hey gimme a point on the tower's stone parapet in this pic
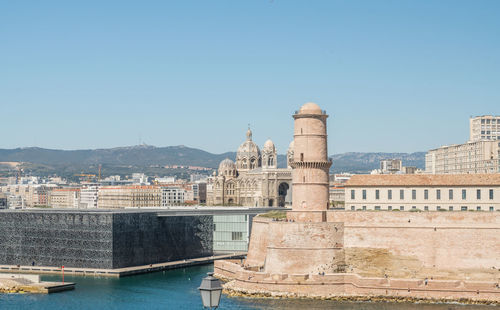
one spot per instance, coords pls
(310, 165)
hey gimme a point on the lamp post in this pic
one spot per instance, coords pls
(210, 290)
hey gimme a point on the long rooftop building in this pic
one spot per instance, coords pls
(451, 192)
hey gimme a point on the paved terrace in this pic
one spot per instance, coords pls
(163, 211)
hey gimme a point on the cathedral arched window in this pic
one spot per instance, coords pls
(252, 163)
(270, 162)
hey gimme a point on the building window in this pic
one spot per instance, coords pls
(389, 208)
(478, 194)
(389, 194)
(463, 208)
(401, 194)
(450, 194)
(438, 194)
(353, 194)
(438, 208)
(426, 208)
(464, 194)
(301, 156)
(492, 209)
(377, 208)
(353, 208)
(377, 194)
(401, 208)
(236, 235)
(426, 194)
(414, 207)
(450, 208)
(413, 194)
(364, 194)
(491, 194)
(364, 208)
(478, 208)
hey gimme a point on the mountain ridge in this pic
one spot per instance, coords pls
(140, 156)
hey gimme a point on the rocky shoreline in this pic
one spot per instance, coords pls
(13, 290)
(231, 291)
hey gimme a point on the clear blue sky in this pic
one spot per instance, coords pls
(395, 76)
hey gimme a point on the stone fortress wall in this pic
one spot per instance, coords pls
(440, 240)
(384, 254)
(319, 252)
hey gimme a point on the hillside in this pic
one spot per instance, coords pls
(365, 162)
(151, 160)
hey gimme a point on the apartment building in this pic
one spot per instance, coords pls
(471, 157)
(89, 196)
(391, 165)
(31, 195)
(172, 196)
(486, 127)
(448, 192)
(65, 198)
(481, 154)
(130, 196)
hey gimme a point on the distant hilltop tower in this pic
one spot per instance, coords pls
(310, 165)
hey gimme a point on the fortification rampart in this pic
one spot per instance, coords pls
(347, 284)
(451, 241)
(441, 255)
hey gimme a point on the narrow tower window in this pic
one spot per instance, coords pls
(301, 156)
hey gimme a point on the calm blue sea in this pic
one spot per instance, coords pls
(175, 289)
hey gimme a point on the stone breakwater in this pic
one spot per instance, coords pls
(344, 286)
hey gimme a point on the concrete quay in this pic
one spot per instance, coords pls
(119, 272)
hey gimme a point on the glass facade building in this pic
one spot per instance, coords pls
(232, 232)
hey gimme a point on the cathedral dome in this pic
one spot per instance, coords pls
(248, 155)
(269, 146)
(310, 108)
(227, 167)
(248, 148)
(291, 146)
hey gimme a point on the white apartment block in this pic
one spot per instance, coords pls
(471, 157)
(172, 196)
(89, 195)
(391, 165)
(466, 192)
(15, 202)
(486, 127)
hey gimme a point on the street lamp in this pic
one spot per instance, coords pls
(210, 290)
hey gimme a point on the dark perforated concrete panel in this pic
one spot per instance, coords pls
(101, 239)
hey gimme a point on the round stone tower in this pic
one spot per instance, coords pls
(310, 174)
